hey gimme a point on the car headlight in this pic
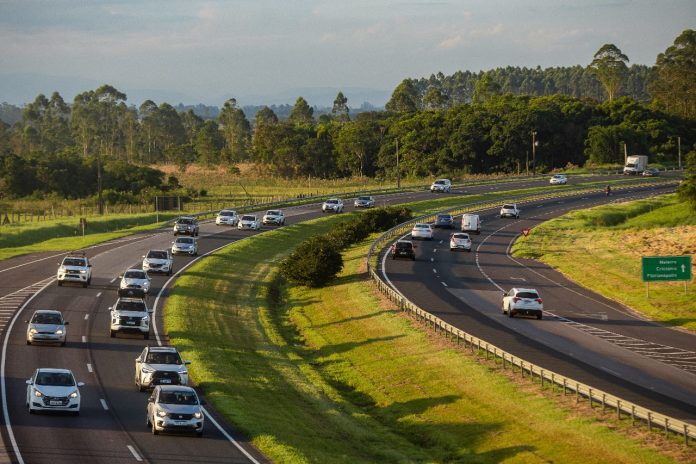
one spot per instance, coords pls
(38, 394)
(161, 413)
(147, 370)
(59, 332)
(82, 271)
(198, 415)
(74, 394)
(183, 371)
(145, 319)
(33, 331)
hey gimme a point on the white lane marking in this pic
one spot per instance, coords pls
(89, 368)
(432, 260)
(518, 278)
(443, 284)
(99, 294)
(103, 403)
(86, 316)
(135, 453)
(227, 435)
(434, 271)
(84, 339)
(113, 280)
(610, 371)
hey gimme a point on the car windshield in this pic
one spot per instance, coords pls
(440, 182)
(178, 397)
(248, 218)
(134, 275)
(273, 212)
(163, 358)
(157, 255)
(444, 217)
(332, 202)
(227, 213)
(365, 198)
(56, 379)
(131, 305)
(184, 240)
(527, 295)
(74, 262)
(47, 318)
(185, 221)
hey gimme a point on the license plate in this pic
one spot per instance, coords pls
(55, 403)
(130, 322)
(180, 422)
(165, 381)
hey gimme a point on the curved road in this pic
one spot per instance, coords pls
(111, 426)
(583, 335)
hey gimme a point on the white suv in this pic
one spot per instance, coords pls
(332, 204)
(160, 365)
(274, 216)
(441, 185)
(523, 301)
(75, 268)
(158, 261)
(227, 217)
(510, 210)
(130, 315)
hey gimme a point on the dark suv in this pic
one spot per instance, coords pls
(403, 249)
(186, 225)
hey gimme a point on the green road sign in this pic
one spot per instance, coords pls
(664, 268)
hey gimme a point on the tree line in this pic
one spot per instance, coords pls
(461, 124)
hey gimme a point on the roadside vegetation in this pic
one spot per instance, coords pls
(336, 374)
(610, 240)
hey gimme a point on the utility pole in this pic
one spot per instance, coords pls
(398, 174)
(679, 150)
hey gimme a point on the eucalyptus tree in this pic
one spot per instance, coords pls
(236, 131)
(357, 145)
(609, 66)
(46, 126)
(674, 83)
(405, 98)
(209, 143)
(340, 109)
(301, 113)
(97, 120)
(435, 99)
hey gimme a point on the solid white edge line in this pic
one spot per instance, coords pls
(6, 414)
(229, 437)
(134, 453)
(99, 294)
(103, 403)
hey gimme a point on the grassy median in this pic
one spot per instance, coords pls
(336, 375)
(610, 240)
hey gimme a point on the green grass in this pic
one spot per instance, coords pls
(613, 238)
(335, 375)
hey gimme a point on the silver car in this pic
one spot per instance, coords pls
(365, 201)
(174, 408)
(185, 245)
(47, 326)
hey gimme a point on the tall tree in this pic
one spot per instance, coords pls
(301, 113)
(674, 84)
(236, 132)
(340, 108)
(405, 98)
(609, 66)
(435, 99)
(486, 88)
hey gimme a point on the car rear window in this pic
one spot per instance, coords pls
(508, 206)
(527, 295)
(460, 236)
(404, 245)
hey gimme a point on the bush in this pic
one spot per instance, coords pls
(314, 263)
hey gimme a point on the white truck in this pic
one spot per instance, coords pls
(635, 165)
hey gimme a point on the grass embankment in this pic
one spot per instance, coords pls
(610, 241)
(66, 234)
(335, 375)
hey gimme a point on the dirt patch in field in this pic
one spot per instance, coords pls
(672, 241)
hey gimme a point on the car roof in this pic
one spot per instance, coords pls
(176, 388)
(421, 224)
(162, 349)
(128, 299)
(47, 311)
(518, 290)
(404, 241)
(55, 369)
(134, 269)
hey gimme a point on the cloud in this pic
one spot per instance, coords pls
(451, 42)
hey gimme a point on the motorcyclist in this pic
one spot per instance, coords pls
(608, 190)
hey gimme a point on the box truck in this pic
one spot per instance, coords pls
(635, 164)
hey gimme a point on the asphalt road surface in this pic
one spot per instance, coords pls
(111, 426)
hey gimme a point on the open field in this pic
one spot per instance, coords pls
(337, 375)
(613, 238)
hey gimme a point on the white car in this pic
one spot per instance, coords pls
(46, 326)
(441, 185)
(422, 231)
(160, 365)
(75, 268)
(185, 245)
(274, 216)
(364, 201)
(510, 210)
(558, 179)
(176, 408)
(158, 261)
(53, 390)
(136, 279)
(249, 222)
(227, 217)
(523, 301)
(130, 315)
(460, 241)
(334, 205)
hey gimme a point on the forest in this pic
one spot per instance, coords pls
(467, 123)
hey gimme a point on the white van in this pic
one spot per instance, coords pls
(471, 223)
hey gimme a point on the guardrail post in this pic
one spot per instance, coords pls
(633, 414)
(686, 435)
(666, 426)
(618, 409)
(590, 396)
(541, 374)
(604, 396)
(577, 393)
(649, 421)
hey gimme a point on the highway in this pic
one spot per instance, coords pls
(111, 427)
(583, 335)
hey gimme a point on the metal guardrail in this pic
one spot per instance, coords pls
(477, 345)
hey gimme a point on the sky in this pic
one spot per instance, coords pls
(273, 51)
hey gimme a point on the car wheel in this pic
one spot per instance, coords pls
(147, 421)
(84, 285)
(511, 314)
(170, 272)
(199, 434)
(469, 250)
(62, 343)
(76, 413)
(28, 342)
(538, 316)
(112, 333)
(154, 429)
(31, 411)
(147, 336)
(60, 283)
(413, 258)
